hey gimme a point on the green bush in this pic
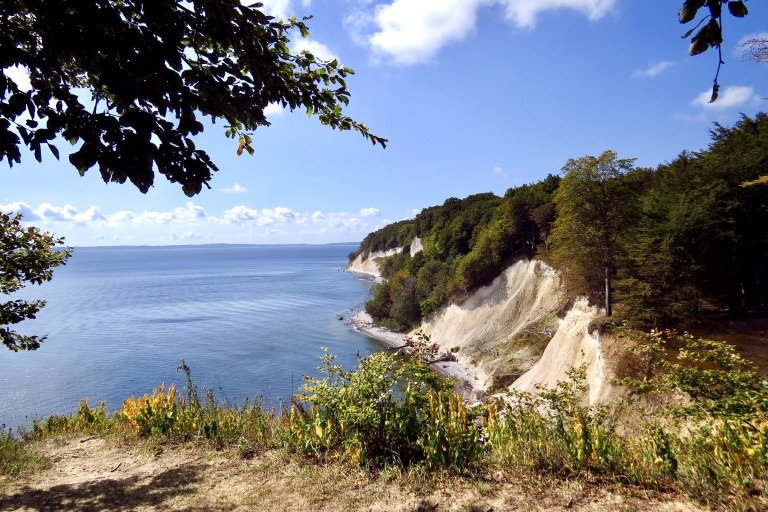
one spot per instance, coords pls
(719, 437)
(384, 411)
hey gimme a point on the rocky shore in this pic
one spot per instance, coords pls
(467, 384)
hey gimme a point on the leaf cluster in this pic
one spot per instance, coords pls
(127, 83)
(711, 34)
(27, 255)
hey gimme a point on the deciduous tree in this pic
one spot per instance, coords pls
(27, 255)
(594, 204)
(128, 82)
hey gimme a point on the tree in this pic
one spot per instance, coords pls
(27, 255)
(152, 69)
(711, 34)
(594, 205)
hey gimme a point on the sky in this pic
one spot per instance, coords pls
(473, 95)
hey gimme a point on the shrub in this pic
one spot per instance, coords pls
(384, 411)
(719, 439)
(86, 420)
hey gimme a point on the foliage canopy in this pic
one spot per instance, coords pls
(128, 81)
(661, 244)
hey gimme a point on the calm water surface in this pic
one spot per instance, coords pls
(248, 320)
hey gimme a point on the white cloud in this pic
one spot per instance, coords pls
(337, 220)
(182, 215)
(653, 69)
(319, 50)
(369, 212)
(498, 170)
(523, 13)
(234, 189)
(184, 223)
(731, 97)
(274, 109)
(412, 31)
(19, 76)
(277, 8)
(47, 212)
(266, 217)
(186, 235)
(22, 208)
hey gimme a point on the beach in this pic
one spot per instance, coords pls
(467, 384)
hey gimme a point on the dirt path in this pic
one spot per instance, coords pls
(94, 474)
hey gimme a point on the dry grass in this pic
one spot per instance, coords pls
(98, 473)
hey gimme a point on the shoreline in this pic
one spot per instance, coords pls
(466, 380)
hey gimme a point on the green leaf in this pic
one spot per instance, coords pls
(54, 150)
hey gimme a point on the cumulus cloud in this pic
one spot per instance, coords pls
(186, 235)
(274, 109)
(234, 189)
(47, 212)
(319, 50)
(182, 215)
(369, 212)
(413, 31)
(498, 170)
(337, 220)
(19, 76)
(653, 69)
(410, 31)
(523, 13)
(190, 221)
(277, 8)
(265, 217)
(730, 97)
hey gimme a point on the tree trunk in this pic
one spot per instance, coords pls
(608, 297)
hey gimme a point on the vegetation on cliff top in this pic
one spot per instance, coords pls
(661, 245)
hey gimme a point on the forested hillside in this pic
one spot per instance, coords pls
(657, 247)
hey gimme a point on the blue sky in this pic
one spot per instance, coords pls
(474, 96)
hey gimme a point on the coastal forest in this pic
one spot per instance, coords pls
(656, 247)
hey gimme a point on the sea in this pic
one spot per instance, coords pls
(250, 321)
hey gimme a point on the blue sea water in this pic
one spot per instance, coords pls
(248, 320)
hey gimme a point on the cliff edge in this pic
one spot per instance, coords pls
(516, 333)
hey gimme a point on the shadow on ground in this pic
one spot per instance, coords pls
(110, 493)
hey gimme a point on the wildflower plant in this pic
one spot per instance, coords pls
(384, 411)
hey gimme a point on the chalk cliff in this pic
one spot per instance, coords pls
(516, 332)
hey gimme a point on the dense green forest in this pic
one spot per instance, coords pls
(657, 247)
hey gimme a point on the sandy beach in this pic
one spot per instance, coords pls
(466, 381)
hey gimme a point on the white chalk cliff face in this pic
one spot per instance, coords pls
(369, 266)
(483, 331)
(510, 335)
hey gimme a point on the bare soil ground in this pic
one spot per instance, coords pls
(95, 474)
